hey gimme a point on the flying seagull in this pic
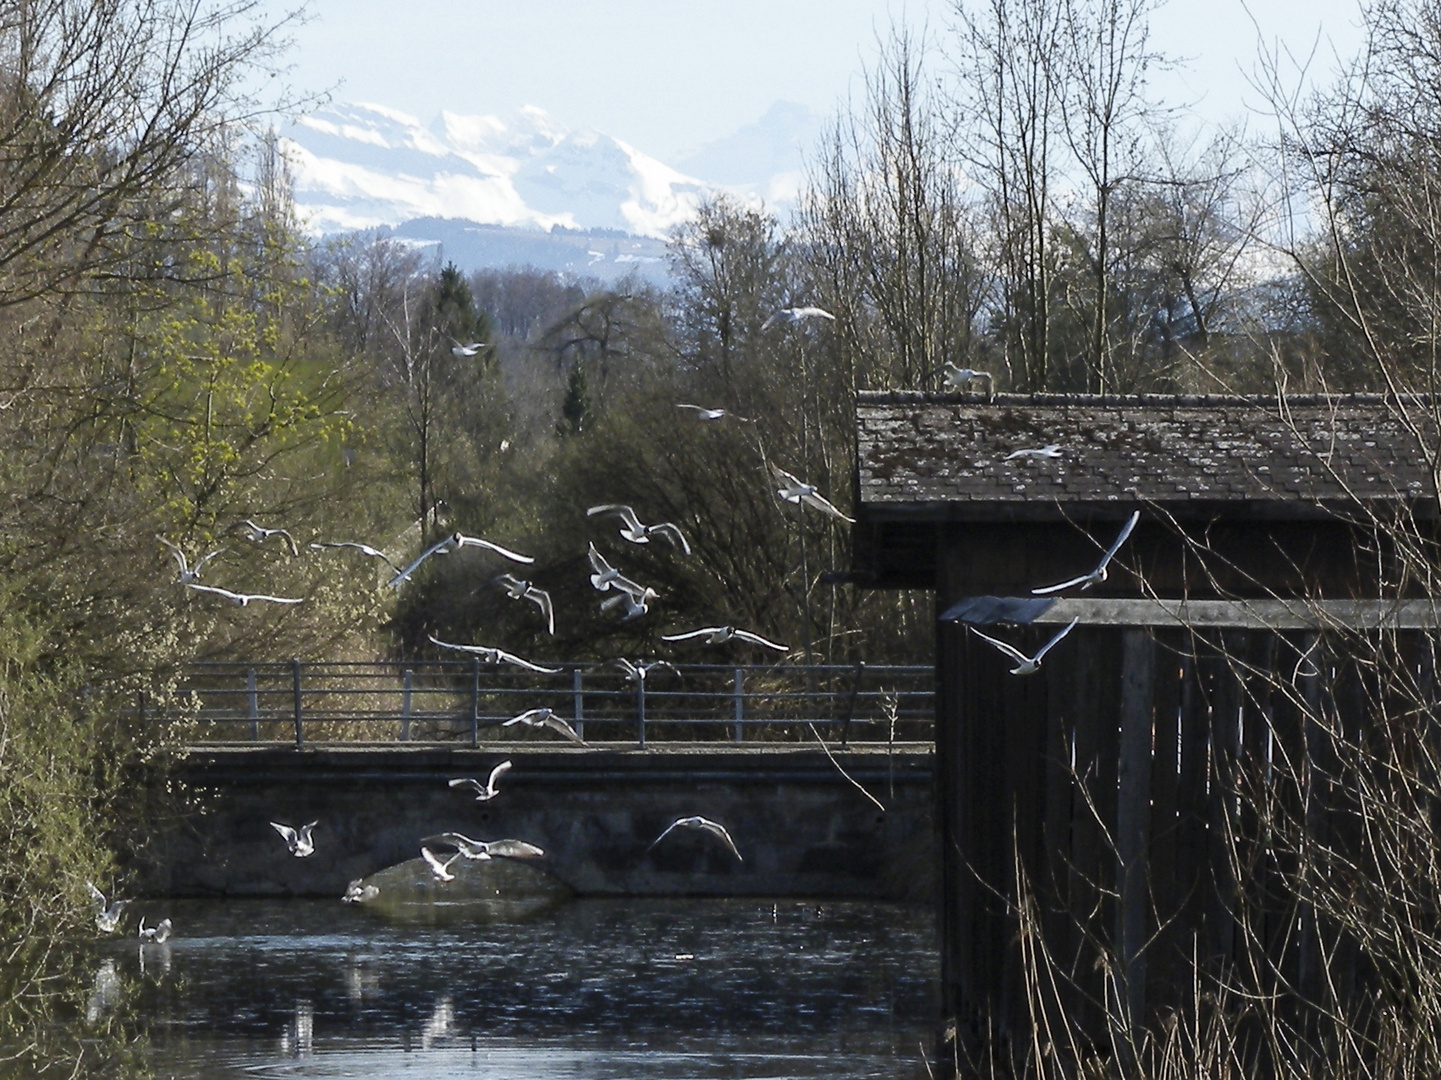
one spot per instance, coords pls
(259, 533)
(636, 533)
(546, 718)
(517, 589)
(441, 870)
(635, 598)
(469, 349)
(795, 490)
(636, 670)
(481, 849)
(107, 915)
(301, 843)
(715, 828)
(605, 575)
(703, 413)
(959, 378)
(1026, 665)
(243, 599)
(188, 573)
(158, 934)
(719, 635)
(487, 791)
(793, 315)
(364, 549)
(1051, 450)
(1098, 575)
(495, 656)
(454, 542)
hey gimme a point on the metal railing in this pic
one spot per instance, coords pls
(458, 701)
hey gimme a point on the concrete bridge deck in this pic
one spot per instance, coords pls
(803, 828)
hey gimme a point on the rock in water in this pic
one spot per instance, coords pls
(484, 890)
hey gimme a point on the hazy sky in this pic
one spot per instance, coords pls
(669, 76)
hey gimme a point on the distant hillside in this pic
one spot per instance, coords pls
(599, 253)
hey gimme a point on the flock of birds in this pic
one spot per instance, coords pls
(630, 597)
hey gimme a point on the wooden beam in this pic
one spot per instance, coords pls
(1248, 614)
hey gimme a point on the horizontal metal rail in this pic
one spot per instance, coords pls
(450, 702)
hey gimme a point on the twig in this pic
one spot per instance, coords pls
(842, 771)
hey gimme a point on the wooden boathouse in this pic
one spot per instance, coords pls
(1092, 813)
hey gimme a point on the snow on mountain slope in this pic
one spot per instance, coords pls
(360, 166)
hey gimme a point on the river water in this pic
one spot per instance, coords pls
(590, 990)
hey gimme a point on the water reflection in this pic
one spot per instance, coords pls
(594, 989)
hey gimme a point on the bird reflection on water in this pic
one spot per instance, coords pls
(593, 988)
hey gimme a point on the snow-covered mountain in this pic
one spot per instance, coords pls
(361, 166)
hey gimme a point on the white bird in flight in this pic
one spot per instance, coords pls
(1098, 575)
(792, 315)
(1051, 450)
(605, 575)
(635, 598)
(695, 821)
(795, 490)
(1026, 665)
(259, 533)
(637, 670)
(959, 378)
(300, 842)
(703, 413)
(517, 589)
(441, 870)
(635, 532)
(454, 542)
(487, 791)
(485, 850)
(469, 349)
(719, 635)
(364, 549)
(107, 914)
(243, 599)
(546, 718)
(188, 573)
(495, 656)
(158, 934)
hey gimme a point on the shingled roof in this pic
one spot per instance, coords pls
(944, 456)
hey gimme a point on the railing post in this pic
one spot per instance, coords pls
(299, 715)
(252, 705)
(406, 685)
(578, 720)
(851, 705)
(640, 711)
(475, 701)
(740, 696)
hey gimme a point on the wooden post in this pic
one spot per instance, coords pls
(640, 712)
(739, 701)
(1133, 820)
(851, 704)
(299, 714)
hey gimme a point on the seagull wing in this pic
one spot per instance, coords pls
(289, 540)
(631, 671)
(483, 651)
(511, 584)
(97, 898)
(448, 839)
(438, 868)
(672, 532)
(818, 501)
(1047, 646)
(245, 599)
(715, 828)
(503, 552)
(237, 597)
(756, 639)
(1005, 647)
(666, 832)
(1115, 547)
(495, 774)
(205, 559)
(510, 658)
(555, 723)
(404, 575)
(706, 631)
(542, 600)
(286, 833)
(514, 849)
(179, 556)
(528, 718)
(470, 781)
(625, 513)
(1046, 590)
